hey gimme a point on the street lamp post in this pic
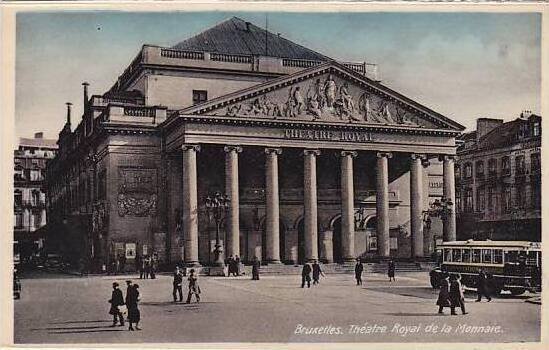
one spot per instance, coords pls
(438, 209)
(216, 208)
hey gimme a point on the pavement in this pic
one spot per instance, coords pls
(59, 309)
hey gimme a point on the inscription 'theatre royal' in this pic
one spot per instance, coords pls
(327, 135)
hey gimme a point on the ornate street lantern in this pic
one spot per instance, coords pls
(216, 208)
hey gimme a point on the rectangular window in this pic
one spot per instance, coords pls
(447, 254)
(520, 195)
(487, 256)
(468, 170)
(199, 96)
(520, 165)
(481, 197)
(456, 255)
(506, 199)
(466, 255)
(505, 166)
(476, 256)
(468, 200)
(535, 163)
(393, 243)
(498, 256)
(18, 220)
(479, 168)
(492, 166)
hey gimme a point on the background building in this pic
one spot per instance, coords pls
(29, 193)
(498, 180)
(272, 124)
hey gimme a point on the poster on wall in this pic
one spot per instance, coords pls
(130, 250)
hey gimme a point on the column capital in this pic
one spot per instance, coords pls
(193, 147)
(314, 152)
(420, 156)
(447, 157)
(353, 154)
(384, 155)
(270, 150)
(231, 148)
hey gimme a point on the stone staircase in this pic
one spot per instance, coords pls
(283, 269)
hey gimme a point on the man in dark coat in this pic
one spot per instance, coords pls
(391, 270)
(482, 287)
(255, 269)
(117, 299)
(358, 272)
(177, 285)
(317, 271)
(306, 275)
(457, 299)
(128, 288)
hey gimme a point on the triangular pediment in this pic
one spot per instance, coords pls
(329, 92)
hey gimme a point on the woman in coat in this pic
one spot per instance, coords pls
(134, 316)
(457, 298)
(255, 268)
(117, 299)
(444, 294)
(391, 270)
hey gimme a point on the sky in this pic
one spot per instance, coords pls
(462, 65)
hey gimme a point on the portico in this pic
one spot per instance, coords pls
(387, 154)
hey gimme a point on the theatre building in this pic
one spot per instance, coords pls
(318, 158)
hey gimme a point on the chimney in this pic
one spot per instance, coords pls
(248, 26)
(69, 105)
(485, 125)
(85, 84)
(38, 135)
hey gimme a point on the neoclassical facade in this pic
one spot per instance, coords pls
(318, 158)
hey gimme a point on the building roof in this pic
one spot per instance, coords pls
(37, 142)
(505, 134)
(238, 37)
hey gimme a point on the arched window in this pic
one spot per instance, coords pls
(468, 169)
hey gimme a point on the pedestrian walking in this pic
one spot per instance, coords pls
(457, 299)
(482, 287)
(138, 265)
(134, 315)
(237, 265)
(154, 265)
(128, 288)
(117, 299)
(358, 272)
(306, 275)
(444, 294)
(317, 271)
(142, 269)
(391, 270)
(122, 262)
(194, 288)
(177, 284)
(147, 266)
(255, 268)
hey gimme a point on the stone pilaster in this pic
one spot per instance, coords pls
(272, 224)
(347, 206)
(310, 204)
(231, 190)
(382, 204)
(449, 193)
(416, 205)
(190, 204)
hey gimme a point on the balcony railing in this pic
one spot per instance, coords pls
(188, 55)
(231, 58)
(139, 111)
(289, 62)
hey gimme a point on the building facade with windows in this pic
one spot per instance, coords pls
(30, 160)
(318, 158)
(498, 180)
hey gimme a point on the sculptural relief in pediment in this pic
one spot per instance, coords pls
(326, 97)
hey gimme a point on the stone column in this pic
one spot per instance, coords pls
(347, 206)
(272, 224)
(382, 204)
(231, 190)
(449, 193)
(327, 247)
(427, 235)
(190, 204)
(416, 205)
(310, 204)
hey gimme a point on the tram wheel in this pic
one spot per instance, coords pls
(517, 291)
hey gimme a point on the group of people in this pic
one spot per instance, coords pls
(359, 268)
(451, 292)
(233, 266)
(131, 302)
(194, 288)
(306, 274)
(147, 266)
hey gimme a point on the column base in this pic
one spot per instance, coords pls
(192, 264)
(274, 262)
(348, 260)
(216, 271)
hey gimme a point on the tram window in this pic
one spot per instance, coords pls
(511, 257)
(456, 255)
(476, 256)
(466, 255)
(532, 258)
(447, 254)
(487, 256)
(498, 256)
